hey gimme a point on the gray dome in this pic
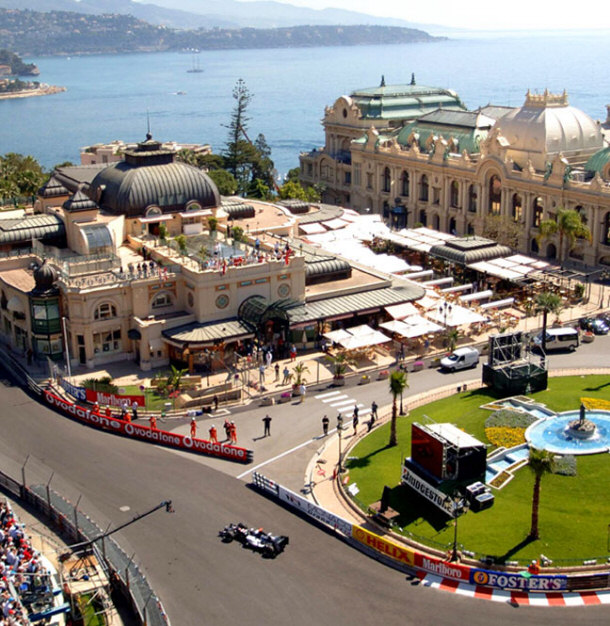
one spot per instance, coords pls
(149, 177)
(44, 277)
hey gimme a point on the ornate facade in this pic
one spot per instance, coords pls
(456, 170)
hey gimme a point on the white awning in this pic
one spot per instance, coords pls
(477, 295)
(337, 335)
(200, 213)
(152, 219)
(312, 229)
(400, 311)
(362, 341)
(498, 304)
(335, 224)
(455, 315)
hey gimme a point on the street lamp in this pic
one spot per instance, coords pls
(339, 431)
(456, 505)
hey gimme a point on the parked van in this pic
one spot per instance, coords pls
(558, 339)
(460, 359)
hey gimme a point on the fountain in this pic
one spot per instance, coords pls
(582, 428)
(573, 432)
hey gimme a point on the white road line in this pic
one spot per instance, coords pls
(279, 456)
(327, 395)
(349, 408)
(343, 402)
(341, 397)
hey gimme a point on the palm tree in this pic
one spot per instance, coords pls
(569, 226)
(340, 362)
(541, 462)
(174, 380)
(398, 382)
(299, 372)
(545, 303)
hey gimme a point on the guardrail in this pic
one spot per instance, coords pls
(68, 518)
(407, 558)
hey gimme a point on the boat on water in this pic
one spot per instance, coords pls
(181, 93)
(195, 68)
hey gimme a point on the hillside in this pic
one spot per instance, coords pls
(190, 14)
(60, 32)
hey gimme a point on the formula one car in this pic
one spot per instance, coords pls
(254, 539)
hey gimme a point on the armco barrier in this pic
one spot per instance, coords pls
(146, 433)
(407, 558)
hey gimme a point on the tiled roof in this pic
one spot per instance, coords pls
(25, 229)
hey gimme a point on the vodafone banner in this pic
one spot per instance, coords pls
(145, 433)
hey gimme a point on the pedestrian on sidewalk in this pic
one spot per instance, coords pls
(369, 425)
(215, 401)
(277, 372)
(153, 422)
(261, 373)
(213, 434)
(355, 423)
(269, 357)
(302, 391)
(356, 411)
(227, 427)
(374, 408)
(233, 433)
(193, 428)
(293, 352)
(325, 422)
(134, 410)
(339, 422)
(267, 423)
(286, 375)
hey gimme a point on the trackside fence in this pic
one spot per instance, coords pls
(78, 527)
(406, 558)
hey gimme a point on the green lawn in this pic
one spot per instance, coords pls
(574, 512)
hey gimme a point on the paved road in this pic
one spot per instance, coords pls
(203, 581)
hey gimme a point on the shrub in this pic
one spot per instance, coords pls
(510, 418)
(104, 384)
(565, 465)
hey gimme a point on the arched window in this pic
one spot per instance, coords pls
(404, 184)
(551, 251)
(606, 229)
(105, 311)
(537, 212)
(436, 222)
(495, 195)
(387, 180)
(470, 229)
(161, 300)
(517, 208)
(423, 219)
(452, 226)
(423, 189)
(455, 194)
(534, 247)
(472, 199)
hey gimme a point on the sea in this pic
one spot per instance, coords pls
(116, 96)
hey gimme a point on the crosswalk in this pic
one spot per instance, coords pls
(342, 403)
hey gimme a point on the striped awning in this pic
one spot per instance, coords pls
(196, 333)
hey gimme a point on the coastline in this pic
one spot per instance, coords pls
(43, 90)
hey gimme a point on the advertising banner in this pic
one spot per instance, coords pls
(438, 498)
(518, 582)
(313, 510)
(145, 433)
(80, 393)
(393, 550)
(442, 568)
(113, 399)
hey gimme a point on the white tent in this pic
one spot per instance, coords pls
(454, 315)
(400, 311)
(362, 341)
(337, 335)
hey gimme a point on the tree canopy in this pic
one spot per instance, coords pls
(20, 175)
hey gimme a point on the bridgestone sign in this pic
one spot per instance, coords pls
(420, 486)
(146, 433)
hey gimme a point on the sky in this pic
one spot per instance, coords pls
(480, 14)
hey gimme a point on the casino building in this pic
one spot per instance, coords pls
(417, 156)
(123, 261)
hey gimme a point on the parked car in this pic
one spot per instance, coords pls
(595, 325)
(604, 317)
(460, 359)
(564, 338)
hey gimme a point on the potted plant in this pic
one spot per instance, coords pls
(588, 336)
(418, 366)
(383, 374)
(284, 397)
(340, 362)
(298, 377)
(365, 379)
